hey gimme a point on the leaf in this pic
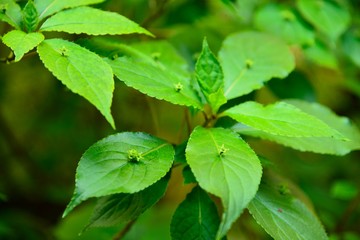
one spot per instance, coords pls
(124, 207)
(210, 77)
(225, 166)
(149, 75)
(121, 163)
(285, 23)
(91, 21)
(188, 175)
(250, 58)
(30, 17)
(327, 16)
(281, 119)
(82, 71)
(322, 55)
(21, 42)
(195, 218)
(10, 12)
(322, 145)
(351, 46)
(284, 216)
(48, 7)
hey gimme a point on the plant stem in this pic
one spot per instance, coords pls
(125, 230)
(156, 14)
(347, 213)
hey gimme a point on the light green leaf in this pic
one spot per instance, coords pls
(10, 12)
(284, 216)
(21, 42)
(225, 166)
(121, 163)
(82, 71)
(327, 16)
(284, 23)
(124, 207)
(195, 218)
(91, 21)
(322, 55)
(30, 17)
(248, 59)
(210, 77)
(153, 77)
(324, 145)
(281, 119)
(48, 7)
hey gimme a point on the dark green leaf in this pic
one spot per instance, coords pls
(351, 46)
(30, 17)
(225, 166)
(195, 218)
(188, 175)
(121, 163)
(10, 12)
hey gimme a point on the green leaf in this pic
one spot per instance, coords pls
(351, 46)
(91, 21)
(210, 77)
(225, 166)
(195, 218)
(82, 71)
(121, 163)
(281, 119)
(188, 175)
(327, 16)
(324, 145)
(10, 12)
(248, 59)
(284, 216)
(322, 55)
(124, 207)
(48, 7)
(30, 17)
(21, 42)
(285, 23)
(344, 190)
(151, 76)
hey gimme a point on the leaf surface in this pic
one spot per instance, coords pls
(249, 59)
(195, 218)
(10, 12)
(91, 21)
(21, 42)
(82, 71)
(46, 8)
(125, 207)
(121, 163)
(281, 119)
(225, 166)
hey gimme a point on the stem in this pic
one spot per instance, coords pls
(153, 114)
(125, 230)
(156, 14)
(347, 214)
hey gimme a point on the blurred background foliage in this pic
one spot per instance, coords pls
(45, 128)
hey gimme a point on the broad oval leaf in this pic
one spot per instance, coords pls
(121, 163)
(285, 23)
(249, 59)
(327, 16)
(48, 7)
(324, 145)
(151, 76)
(195, 218)
(82, 71)
(10, 12)
(225, 166)
(91, 21)
(21, 42)
(281, 119)
(283, 216)
(125, 207)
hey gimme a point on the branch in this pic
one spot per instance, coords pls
(125, 230)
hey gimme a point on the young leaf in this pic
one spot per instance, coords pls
(48, 7)
(284, 216)
(195, 218)
(285, 23)
(82, 71)
(21, 42)
(281, 119)
(327, 16)
(250, 58)
(225, 166)
(121, 163)
(125, 207)
(151, 77)
(210, 77)
(91, 21)
(10, 12)
(324, 145)
(30, 17)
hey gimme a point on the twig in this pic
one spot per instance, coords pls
(347, 213)
(125, 230)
